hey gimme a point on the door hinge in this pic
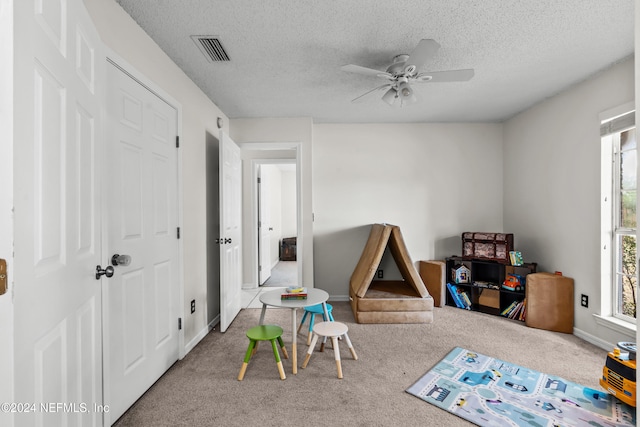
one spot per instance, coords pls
(259, 181)
(178, 233)
(179, 323)
(177, 141)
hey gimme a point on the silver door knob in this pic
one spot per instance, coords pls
(106, 271)
(123, 260)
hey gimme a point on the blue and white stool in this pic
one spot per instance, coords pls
(313, 310)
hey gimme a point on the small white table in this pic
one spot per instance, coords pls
(272, 298)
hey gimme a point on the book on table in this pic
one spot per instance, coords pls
(294, 293)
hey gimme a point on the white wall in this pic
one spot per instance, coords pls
(121, 33)
(552, 185)
(433, 180)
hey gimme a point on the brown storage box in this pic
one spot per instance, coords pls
(489, 246)
(489, 298)
(549, 302)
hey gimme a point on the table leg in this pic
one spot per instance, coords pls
(294, 341)
(262, 313)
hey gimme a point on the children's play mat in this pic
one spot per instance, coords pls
(492, 392)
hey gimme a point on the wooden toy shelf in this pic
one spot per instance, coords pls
(484, 288)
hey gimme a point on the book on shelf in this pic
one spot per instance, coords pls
(460, 298)
(516, 258)
(509, 308)
(466, 300)
(523, 312)
(516, 310)
(453, 291)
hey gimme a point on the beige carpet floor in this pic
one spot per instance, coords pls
(203, 390)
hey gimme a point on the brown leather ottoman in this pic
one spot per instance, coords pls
(549, 302)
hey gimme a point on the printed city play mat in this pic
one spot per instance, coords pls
(492, 392)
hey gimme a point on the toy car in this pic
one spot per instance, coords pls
(619, 373)
(514, 282)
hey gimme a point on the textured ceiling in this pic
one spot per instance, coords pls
(285, 55)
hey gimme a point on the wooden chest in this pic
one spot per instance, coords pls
(489, 246)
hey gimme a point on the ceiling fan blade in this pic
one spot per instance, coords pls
(424, 51)
(365, 71)
(445, 76)
(362, 97)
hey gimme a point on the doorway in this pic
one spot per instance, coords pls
(277, 228)
(272, 153)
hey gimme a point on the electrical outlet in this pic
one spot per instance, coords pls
(193, 306)
(584, 300)
(380, 274)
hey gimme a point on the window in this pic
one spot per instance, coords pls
(619, 210)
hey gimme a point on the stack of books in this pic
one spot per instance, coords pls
(516, 310)
(459, 297)
(294, 293)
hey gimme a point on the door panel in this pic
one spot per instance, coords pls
(141, 299)
(230, 231)
(57, 300)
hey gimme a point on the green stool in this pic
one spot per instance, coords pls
(264, 333)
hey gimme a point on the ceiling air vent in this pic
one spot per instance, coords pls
(211, 48)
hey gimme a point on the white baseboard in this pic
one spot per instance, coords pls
(593, 339)
(213, 323)
(338, 297)
(200, 335)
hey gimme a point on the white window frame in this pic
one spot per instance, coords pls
(617, 120)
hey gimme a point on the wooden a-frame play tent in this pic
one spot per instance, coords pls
(388, 301)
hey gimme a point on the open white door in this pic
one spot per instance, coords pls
(264, 226)
(58, 75)
(141, 299)
(230, 230)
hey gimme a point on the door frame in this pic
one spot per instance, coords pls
(132, 72)
(251, 282)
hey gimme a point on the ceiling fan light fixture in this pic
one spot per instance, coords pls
(405, 90)
(390, 96)
(406, 94)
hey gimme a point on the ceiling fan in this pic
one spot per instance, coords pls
(405, 70)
